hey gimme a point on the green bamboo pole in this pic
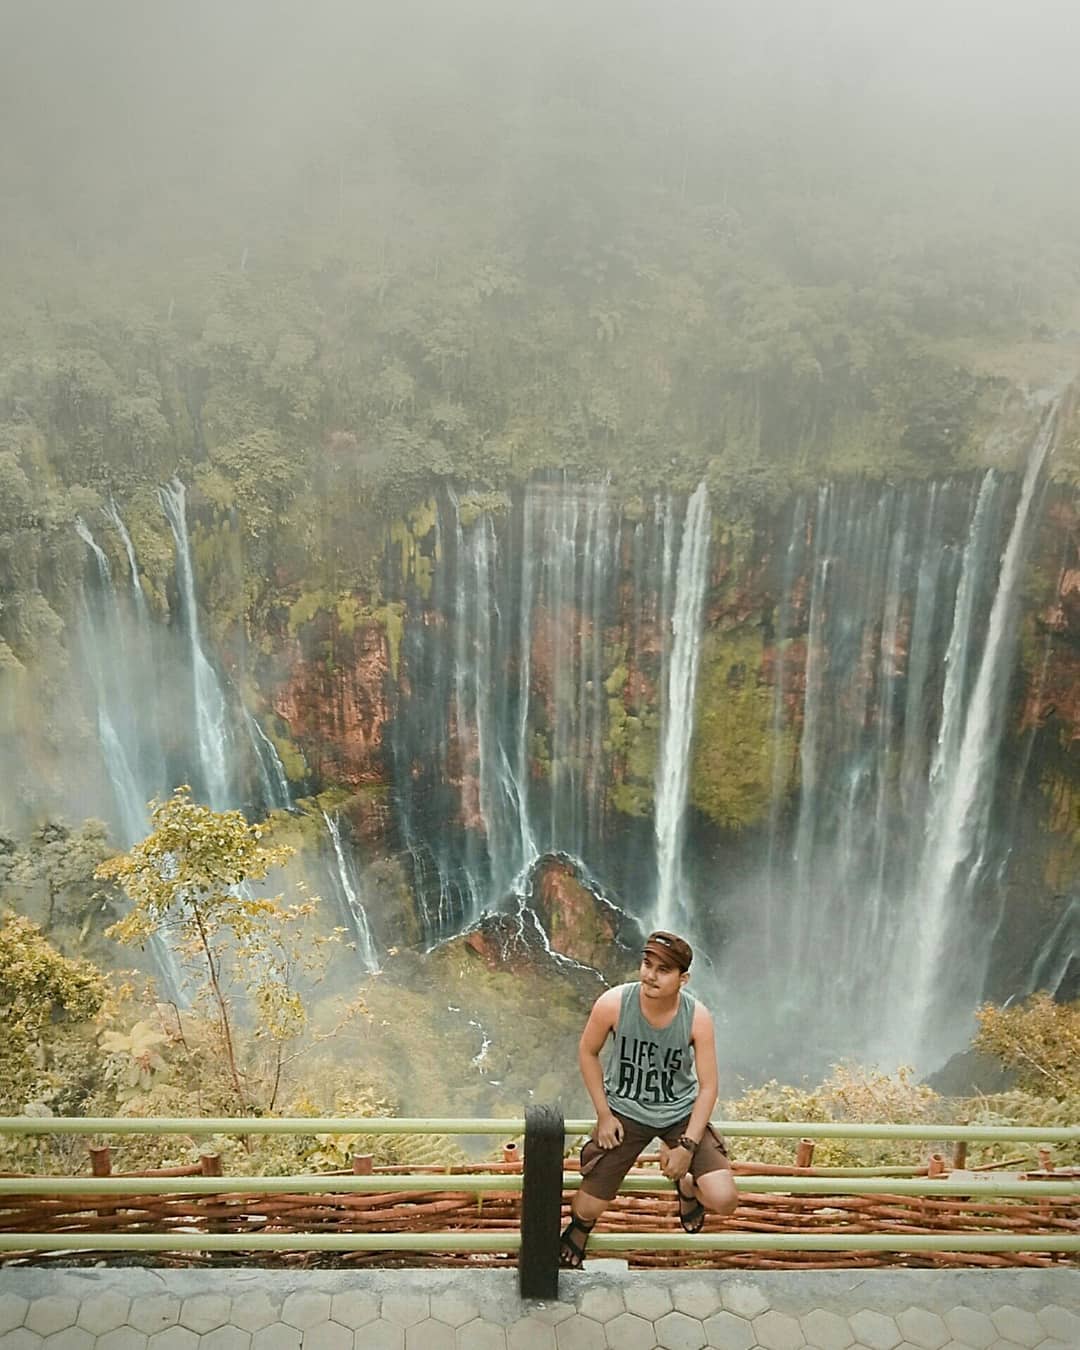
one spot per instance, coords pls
(767, 1129)
(512, 1182)
(831, 1242)
(510, 1242)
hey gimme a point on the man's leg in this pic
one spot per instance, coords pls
(709, 1184)
(602, 1171)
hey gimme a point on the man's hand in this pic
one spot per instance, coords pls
(609, 1131)
(675, 1162)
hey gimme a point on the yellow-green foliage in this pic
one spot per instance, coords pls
(406, 535)
(731, 777)
(850, 1093)
(633, 738)
(47, 1005)
(186, 881)
(1039, 1040)
(1063, 826)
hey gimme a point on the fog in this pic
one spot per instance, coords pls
(125, 123)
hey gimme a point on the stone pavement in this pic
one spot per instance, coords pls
(606, 1306)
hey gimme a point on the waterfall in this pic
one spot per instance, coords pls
(677, 713)
(115, 519)
(121, 738)
(947, 930)
(102, 646)
(272, 776)
(211, 721)
(349, 897)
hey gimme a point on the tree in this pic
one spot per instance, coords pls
(189, 882)
(1038, 1039)
(47, 1005)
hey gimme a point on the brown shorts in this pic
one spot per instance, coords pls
(602, 1169)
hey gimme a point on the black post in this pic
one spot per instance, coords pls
(541, 1202)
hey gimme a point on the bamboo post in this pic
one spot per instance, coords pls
(100, 1160)
(936, 1167)
(959, 1155)
(1046, 1158)
(211, 1167)
(804, 1153)
(362, 1164)
(510, 1152)
(101, 1166)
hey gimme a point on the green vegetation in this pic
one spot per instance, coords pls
(734, 750)
(189, 884)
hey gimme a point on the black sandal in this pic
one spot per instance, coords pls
(571, 1253)
(691, 1210)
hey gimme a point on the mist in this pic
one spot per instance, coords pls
(130, 128)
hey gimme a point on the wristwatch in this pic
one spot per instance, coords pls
(686, 1142)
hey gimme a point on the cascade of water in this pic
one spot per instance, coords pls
(115, 519)
(677, 716)
(349, 897)
(101, 644)
(955, 845)
(272, 776)
(211, 721)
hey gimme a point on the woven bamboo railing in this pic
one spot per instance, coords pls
(788, 1217)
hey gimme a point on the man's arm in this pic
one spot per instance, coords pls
(601, 1023)
(703, 1039)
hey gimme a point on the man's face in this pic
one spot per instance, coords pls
(660, 977)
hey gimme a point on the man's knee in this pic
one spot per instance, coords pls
(717, 1192)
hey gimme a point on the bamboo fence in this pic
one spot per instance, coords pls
(442, 1209)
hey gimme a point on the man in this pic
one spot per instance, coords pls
(661, 1080)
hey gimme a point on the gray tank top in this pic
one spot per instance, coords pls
(651, 1076)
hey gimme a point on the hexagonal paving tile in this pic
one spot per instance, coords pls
(253, 1310)
(725, 1331)
(580, 1333)
(51, 1313)
(154, 1313)
(404, 1310)
(103, 1312)
(648, 1301)
(1005, 1345)
(601, 1304)
(825, 1330)
(972, 1327)
(677, 1331)
(875, 1329)
(744, 1300)
(305, 1308)
(354, 1308)
(453, 1308)
(923, 1328)
(629, 1332)
(71, 1338)
(236, 1338)
(383, 1335)
(531, 1334)
(173, 1338)
(123, 1338)
(777, 1331)
(1014, 1324)
(12, 1311)
(429, 1335)
(277, 1336)
(552, 1313)
(480, 1336)
(21, 1339)
(697, 1298)
(1060, 1323)
(329, 1336)
(205, 1312)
